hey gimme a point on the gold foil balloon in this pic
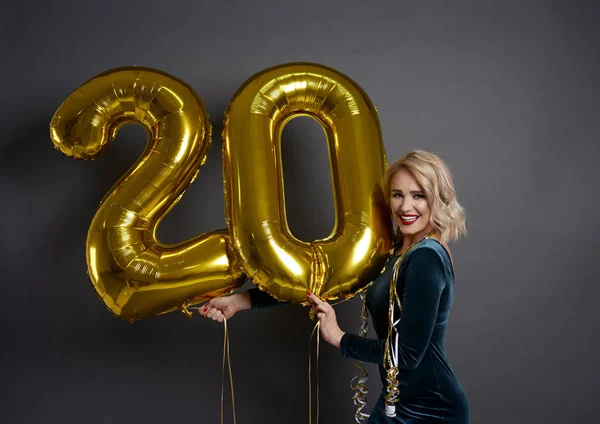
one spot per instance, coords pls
(135, 275)
(354, 253)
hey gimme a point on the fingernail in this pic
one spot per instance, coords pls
(205, 309)
(309, 293)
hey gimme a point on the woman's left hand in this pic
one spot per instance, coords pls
(330, 330)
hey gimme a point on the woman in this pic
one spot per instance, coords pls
(427, 216)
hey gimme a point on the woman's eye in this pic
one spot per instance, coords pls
(419, 196)
(396, 195)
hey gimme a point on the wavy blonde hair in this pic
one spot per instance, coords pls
(432, 174)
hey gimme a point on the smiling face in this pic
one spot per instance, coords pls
(410, 207)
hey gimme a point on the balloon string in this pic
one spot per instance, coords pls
(185, 308)
(226, 352)
(316, 329)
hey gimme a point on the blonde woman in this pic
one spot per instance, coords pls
(409, 302)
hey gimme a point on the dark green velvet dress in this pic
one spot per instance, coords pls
(429, 391)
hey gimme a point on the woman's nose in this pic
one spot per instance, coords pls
(406, 207)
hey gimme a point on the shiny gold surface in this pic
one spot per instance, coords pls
(354, 253)
(135, 275)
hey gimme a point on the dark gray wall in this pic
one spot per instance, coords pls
(506, 92)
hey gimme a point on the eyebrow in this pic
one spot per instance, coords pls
(411, 192)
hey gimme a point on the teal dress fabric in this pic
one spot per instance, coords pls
(429, 391)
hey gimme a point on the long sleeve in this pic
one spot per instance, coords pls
(261, 299)
(362, 348)
(424, 281)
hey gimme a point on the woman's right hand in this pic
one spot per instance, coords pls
(223, 307)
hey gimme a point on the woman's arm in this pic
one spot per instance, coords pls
(260, 299)
(225, 307)
(362, 348)
(424, 283)
(425, 279)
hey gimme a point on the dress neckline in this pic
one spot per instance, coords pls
(438, 242)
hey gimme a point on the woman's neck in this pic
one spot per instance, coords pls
(409, 239)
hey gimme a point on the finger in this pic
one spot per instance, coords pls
(313, 298)
(203, 310)
(211, 312)
(323, 307)
(321, 315)
(217, 315)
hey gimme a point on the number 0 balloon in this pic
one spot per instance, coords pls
(278, 262)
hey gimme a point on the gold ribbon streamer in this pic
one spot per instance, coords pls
(359, 381)
(226, 351)
(316, 329)
(227, 355)
(392, 390)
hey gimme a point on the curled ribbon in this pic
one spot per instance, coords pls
(359, 381)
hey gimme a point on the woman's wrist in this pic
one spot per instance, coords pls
(242, 301)
(338, 338)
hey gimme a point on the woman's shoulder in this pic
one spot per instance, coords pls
(427, 244)
(429, 252)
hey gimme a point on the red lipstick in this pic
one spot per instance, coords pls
(410, 222)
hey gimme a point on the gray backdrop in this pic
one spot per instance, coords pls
(506, 92)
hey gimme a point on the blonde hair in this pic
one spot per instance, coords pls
(432, 174)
